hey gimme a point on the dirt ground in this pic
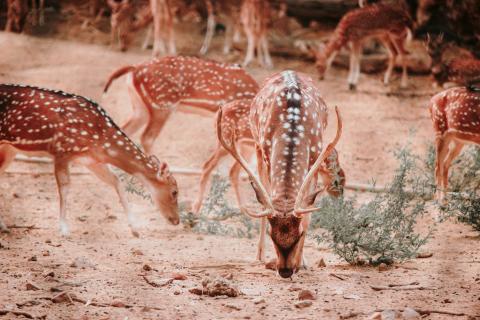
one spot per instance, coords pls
(103, 263)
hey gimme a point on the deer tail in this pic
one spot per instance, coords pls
(118, 73)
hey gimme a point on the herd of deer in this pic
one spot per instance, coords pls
(282, 122)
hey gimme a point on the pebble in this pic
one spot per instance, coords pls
(303, 304)
(306, 295)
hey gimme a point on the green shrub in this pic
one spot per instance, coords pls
(382, 229)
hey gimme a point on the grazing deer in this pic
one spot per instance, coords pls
(455, 115)
(186, 84)
(235, 118)
(17, 13)
(255, 17)
(460, 70)
(388, 23)
(288, 118)
(70, 128)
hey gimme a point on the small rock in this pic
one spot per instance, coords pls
(447, 301)
(82, 218)
(137, 252)
(228, 276)
(271, 265)
(179, 276)
(46, 253)
(31, 287)
(233, 306)
(303, 304)
(176, 292)
(306, 295)
(63, 297)
(382, 267)
(118, 304)
(50, 274)
(294, 288)
(48, 241)
(81, 262)
(258, 300)
(424, 255)
(410, 314)
(197, 291)
(34, 258)
(321, 263)
(16, 195)
(388, 315)
(351, 297)
(146, 267)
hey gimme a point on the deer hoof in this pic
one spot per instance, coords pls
(352, 87)
(135, 233)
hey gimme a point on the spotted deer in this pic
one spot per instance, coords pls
(458, 69)
(235, 118)
(455, 115)
(68, 128)
(255, 17)
(187, 84)
(288, 118)
(390, 24)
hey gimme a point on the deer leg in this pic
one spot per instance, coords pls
(207, 169)
(209, 34)
(106, 175)
(266, 52)
(351, 70)
(153, 129)
(392, 53)
(227, 44)
(34, 13)
(357, 50)
(398, 43)
(41, 18)
(172, 49)
(250, 48)
(148, 36)
(140, 115)
(441, 150)
(263, 225)
(62, 176)
(7, 155)
(454, 150)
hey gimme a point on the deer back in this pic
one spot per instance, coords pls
(288, 118)
(171, 79)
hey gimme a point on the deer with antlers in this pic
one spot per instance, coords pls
(68, 128)
(255, 17)
(235, 118)
(187, 84)
(288, 118)
(455, 115)
(459, 69)
(388, 23)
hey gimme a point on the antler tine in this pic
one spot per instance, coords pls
(328, 150)
(234, 152)
(256, 215)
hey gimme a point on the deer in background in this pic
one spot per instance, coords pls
(235, 120)
(458, 69)
(187, 84)
(390, 24)
(163, 33)
(455, 115)
(68, 128)
(288, 118)
(255, 17)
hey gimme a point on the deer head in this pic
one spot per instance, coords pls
(163, 188)
(286, 119)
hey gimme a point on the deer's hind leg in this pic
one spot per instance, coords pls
(453, 151)
(7, 155)
(441, 146)
(140, 116)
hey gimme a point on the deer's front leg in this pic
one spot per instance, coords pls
(62, 176)
(106, 175)
(153, 128)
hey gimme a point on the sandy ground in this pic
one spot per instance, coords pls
(102, 262)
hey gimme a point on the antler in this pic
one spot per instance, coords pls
(257, 185)
(313, 170)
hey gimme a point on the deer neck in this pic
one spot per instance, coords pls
(333, 45)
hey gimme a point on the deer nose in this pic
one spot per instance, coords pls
(285, 272)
